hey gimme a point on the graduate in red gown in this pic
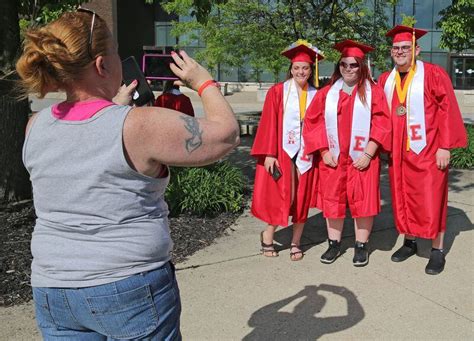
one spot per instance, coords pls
(427, 123)
(348, 123)
(172, 98)
(284, 173)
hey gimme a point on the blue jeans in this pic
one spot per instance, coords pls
(145, 306)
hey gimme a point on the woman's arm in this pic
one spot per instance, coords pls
(161, 136)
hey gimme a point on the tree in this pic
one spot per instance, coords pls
(236, 32)
(14, 112)
(457, 24)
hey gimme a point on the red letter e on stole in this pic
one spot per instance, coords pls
(414, 132)
(358, 143)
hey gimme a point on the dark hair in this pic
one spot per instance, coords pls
(57, 54)
(311, 76)
(364, 75)
(169, 85)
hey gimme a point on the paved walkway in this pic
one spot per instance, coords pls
(230, 292)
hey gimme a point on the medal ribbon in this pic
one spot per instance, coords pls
(402, 92)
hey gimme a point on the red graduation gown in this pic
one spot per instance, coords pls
(344, 183)
(271, 200)
(180, 103)
(419, 189)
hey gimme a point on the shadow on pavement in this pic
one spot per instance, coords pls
(455, 183)
(270, 323)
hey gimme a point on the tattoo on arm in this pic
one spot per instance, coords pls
(192, 125)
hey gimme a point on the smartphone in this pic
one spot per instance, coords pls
(157, 66)
(131, 71)
(276, 173)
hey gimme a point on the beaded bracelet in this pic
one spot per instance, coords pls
(206, 84)
(368, 155)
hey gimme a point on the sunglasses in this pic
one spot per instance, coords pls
(89, 45)
(350, 65)
(404, 49)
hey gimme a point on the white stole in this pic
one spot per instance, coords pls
(293, 142)
(416, 129)
(361, 115)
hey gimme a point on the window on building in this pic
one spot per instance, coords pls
(424, 14)
(462, 72)
(439, 5)
(404, 7)
(441, 59)
(163, 35)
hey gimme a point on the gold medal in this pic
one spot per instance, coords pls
(401, 110)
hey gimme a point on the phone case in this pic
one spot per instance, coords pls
(130, 72)
(276, 173)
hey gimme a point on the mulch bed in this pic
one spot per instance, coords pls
(189, 234)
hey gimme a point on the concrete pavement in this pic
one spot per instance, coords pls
(230, 292)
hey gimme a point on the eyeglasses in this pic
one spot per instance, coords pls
(89, 45)
(350, 65)
(404, 49)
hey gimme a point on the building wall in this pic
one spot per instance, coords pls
(135, 21)
(107, 9)
(136, 25)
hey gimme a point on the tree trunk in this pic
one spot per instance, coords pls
(14, 180)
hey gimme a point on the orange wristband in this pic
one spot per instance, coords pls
(206, 84)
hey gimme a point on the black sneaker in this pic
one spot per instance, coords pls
(407, 250)
(436, 263)
(332, 252)
(361, 254)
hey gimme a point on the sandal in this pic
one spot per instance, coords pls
(268, 250)
(293, 254)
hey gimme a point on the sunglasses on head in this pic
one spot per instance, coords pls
(350, 65)
(89, 45)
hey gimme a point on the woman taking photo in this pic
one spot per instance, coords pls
(101, 243)
(347, 124)
(284, 173)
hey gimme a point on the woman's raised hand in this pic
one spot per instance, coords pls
(191, 73)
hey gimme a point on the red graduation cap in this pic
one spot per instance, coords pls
(405, 33)
(351, 48)
(302, 51)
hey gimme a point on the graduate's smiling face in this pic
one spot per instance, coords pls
(401, 54)
(301, 71)
(349, 68)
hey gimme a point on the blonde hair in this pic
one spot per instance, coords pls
(57, 54)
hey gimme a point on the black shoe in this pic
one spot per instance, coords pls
(406, 251)
(436, 263)
(332, 252)
(361, 254)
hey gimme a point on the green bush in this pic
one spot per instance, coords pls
(464, 157)
(205, 191)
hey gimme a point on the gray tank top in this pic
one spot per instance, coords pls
(98, 220)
